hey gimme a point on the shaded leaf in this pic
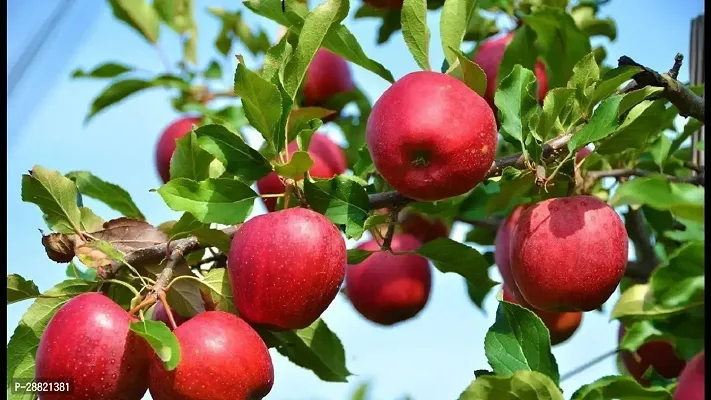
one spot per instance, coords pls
(217, 280)
(357, 256)
(161, 339)
(520, 51)
(184, 297)
(230, 149)
(110, 194)
(620, 387)
(470, 73)
(343, 200)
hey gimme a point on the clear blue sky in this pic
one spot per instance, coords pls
(431, 357)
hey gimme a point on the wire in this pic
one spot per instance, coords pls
(33, 49)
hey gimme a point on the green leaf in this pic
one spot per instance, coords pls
(520, 51)
(213, 70)
(448, 255)
(222, 201)
(161, 339)
(636, 303)
(55, 195)
(684, 200)
(315, 348)
(562, 43)
(276, 57)
(453, 23)
(469, 72)
(555, 102)
(184, 297)
(339, 39)
(74, 272)
(681, 280)
(262, 103)
(106, 70)
(635, 97)
(361, 392)
(415, 31)
(586, 73)
(660, 150)
(522, 385)
(642, 122)
(189, 160)
(19, 288)
(620, 387)
(90, 222)
(304, 118)
(315, 28)
(693, 125)
(296, 167)
(357, 256)
(611, 82)
(217, 280)
(139, 15)
(22, 347)
(110, 194)
(638, 334)
(519, 341)
(513, 187)
(230, 149)
(516, 100)
(480, 28)
(119, 90)
(343, 200)
(603, 122)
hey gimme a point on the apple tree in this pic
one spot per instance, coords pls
(555, 159)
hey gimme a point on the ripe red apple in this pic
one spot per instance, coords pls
(329, 160)
(489, 56)
(327, 75)
(582, 153)
(166, 144)
(388, 288)
(385, 4)
(431, 137)
(692, 380)
(658, 354)
(562, 325)
(502, 250)
(221, 358)
(423, 228)
(286, 267)
(568, 254)
(88, 341)
(159, 314)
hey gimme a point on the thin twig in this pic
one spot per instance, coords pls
(627, 172)
(391, 230)
(588, 365)
(640, 236)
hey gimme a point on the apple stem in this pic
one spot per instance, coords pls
(168, 311)
(147, 302)
(391, 230)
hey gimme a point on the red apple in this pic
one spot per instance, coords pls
(431, 137)
(568, 254)
(388, 288)
(582, 153)
(385, 4)
(658, 354)
(286, 267)
(221, 358)
(692, 380)
(89, 342)
(489, 56)
(159, 314)
(502, 250)
(166, 143)
(327, 75)
(326, 165)
(561, 325)
(423, 228)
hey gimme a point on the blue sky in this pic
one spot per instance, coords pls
(431, 357)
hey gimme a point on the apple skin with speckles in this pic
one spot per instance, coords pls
(88, 341)
(286, 267)
(561, 325)
(166, 144)
(327, 75)
(329, 160)
(221, 358)
(387, 288)
(659, 354)
(691, 384)
(502, 250)
(431, 137)
(568, 254)
(489, 56)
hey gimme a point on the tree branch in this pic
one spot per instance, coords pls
(689, 103)
(699, 179)
(647, 258)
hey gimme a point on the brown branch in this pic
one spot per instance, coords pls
(627, 172)
(689, 103)
(387, 241)
(646, 257)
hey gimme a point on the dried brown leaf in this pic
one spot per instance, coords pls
(128, 235)
(60, 247)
